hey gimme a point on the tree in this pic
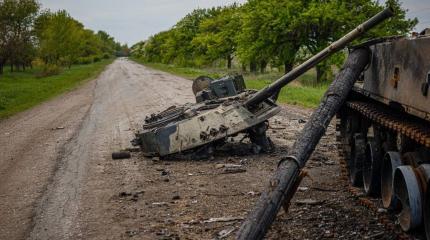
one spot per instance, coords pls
(217, 35)
(64, 41)
(108, 43)
(175, 45)
(270, 32)
(16, 31)
(326, 21)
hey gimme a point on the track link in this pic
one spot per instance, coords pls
(393, 121)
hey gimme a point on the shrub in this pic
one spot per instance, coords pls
(106, 56)
(37, 63)
(49, 70)
(84, 60)
(97, 59)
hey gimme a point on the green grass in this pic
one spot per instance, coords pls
(308, 97)
(22, 90)
(300, 92)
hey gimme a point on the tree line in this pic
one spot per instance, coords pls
(262, 33)
(30, 34)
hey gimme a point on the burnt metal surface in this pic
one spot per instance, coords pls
(407, 189)
(205, 88)
(190, 126)
(399, 74)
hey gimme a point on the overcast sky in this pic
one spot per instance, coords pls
(130, 21)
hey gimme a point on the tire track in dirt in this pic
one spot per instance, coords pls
(106, 128)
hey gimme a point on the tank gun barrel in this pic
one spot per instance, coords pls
(310, 63)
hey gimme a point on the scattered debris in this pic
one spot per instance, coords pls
(136, 149)
(121, 155)
(58, 128)
(223, 219)
(231, 168)
(160, 204)
(244, 161)
(252, 193)
(302, 189)
(219, 166)
(227, 165)
(176, 197)
(382, 210)
(225, 233)
(234, 170)
(309, 202)
(373, 236)
(131, 233)
(277, 128)
(134, 195)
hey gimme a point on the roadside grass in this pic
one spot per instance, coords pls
(22, 90)
(300, 92)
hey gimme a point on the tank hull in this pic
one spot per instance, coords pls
(390, 109)
(399, 75)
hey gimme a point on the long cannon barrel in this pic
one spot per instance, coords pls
(310, 63)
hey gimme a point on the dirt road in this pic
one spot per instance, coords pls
(57, 180)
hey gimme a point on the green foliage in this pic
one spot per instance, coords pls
(47, 70)
(16, 35)
(55, 37)
(278, 34)
(64, 41)
(217, 36)
(305, 96)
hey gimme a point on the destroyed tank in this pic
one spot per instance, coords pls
(225, 108)
(384, 129)
(195, 130)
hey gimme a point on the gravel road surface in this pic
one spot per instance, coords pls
(58, 181)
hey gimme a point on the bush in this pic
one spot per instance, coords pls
(106, 56)
(37, 63)
(84, 60)
(49, 70)
(3, 103)
(97, 59)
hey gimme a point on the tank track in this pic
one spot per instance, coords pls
(392, 121)
(395, 122)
